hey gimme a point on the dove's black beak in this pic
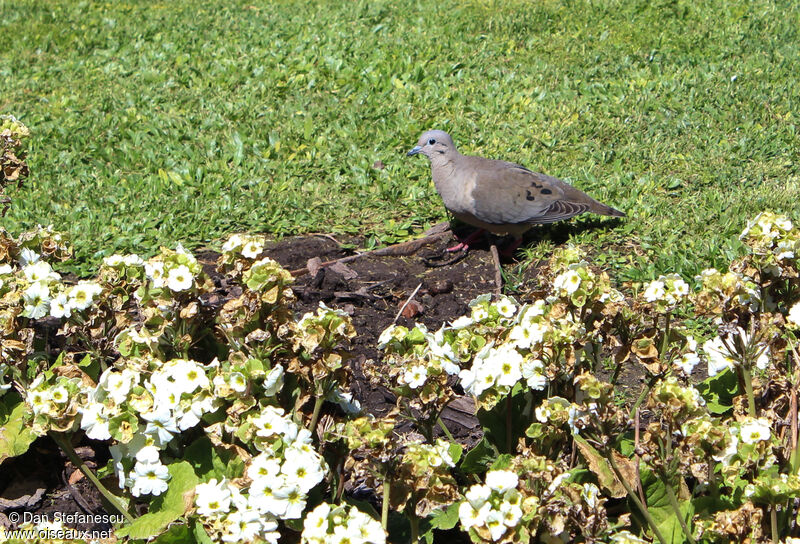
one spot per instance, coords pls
(414, 151)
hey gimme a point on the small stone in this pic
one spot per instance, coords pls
(440, 287)
(412, 309)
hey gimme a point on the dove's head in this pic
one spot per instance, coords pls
(434, 143)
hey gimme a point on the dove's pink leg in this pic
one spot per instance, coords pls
(464, 244)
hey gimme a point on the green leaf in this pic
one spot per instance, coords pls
(658, 504)
(177, 534)
(495, 421)
(479, 457)
(15, 436)
(719, 391)
(502, 462)
(455, 451)
(445, 518)
(200, 534)
(601, 468)
(168, 507)
(210, 461)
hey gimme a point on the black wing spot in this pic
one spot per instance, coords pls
(546, 191)
(529, 196)
(535, 185)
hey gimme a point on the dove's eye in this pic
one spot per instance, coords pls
(431, 141)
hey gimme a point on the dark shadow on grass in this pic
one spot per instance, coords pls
(559, 233)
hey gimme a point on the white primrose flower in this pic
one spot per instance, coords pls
(270, 422)
(149, 478)
(28, 256)
(302, 471)
(568, 281)
(473, 517)
(719, 357)
(415, 376)
(755, 430)
(212, 498)
(345, 401)
(40, 271)
(5, 269)
(201, 403)
(82, 295)
(39, 401)
(165, 394)
(590, 495)
(687, 362)
(263, 497)
(512, 512)
(793, 319)
(462, 322)
(113, 260)
(233, 242)
(477, 495)
(442, 351)
(252, 249)
(508, 361)
(346, 533)
(534, 373)
(237, 382)
(59, 394)
(188, 375)
(273, 382)
(294, 499)
(543, 413)
(485, 378)
(263, 465)
(132, 260)
(315, 526)
(479, 313)
(506, 307)
(501, 480)
(654, 291)
(442, 452)
(494, 522)
(527, 334)
(36, 299)
(243, 526)
(155, 272)
(94, 421)
(59, 306)
(180, 278)
(160, 425)
(118, 384)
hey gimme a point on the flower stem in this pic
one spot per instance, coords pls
(64, 443)
(508, 423)
(665, 340)
(446, 431)
(673, 501)
(642, 508)
(387, 488)
(414, 521)
(773, 519)
(748, 386)
(318, 402)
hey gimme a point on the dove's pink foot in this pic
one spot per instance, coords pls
(464, 244)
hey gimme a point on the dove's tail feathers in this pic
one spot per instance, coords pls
(602, 209)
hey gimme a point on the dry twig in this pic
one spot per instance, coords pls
(498, 271)
(403, 307)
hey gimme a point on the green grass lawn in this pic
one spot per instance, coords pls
(159, 122)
